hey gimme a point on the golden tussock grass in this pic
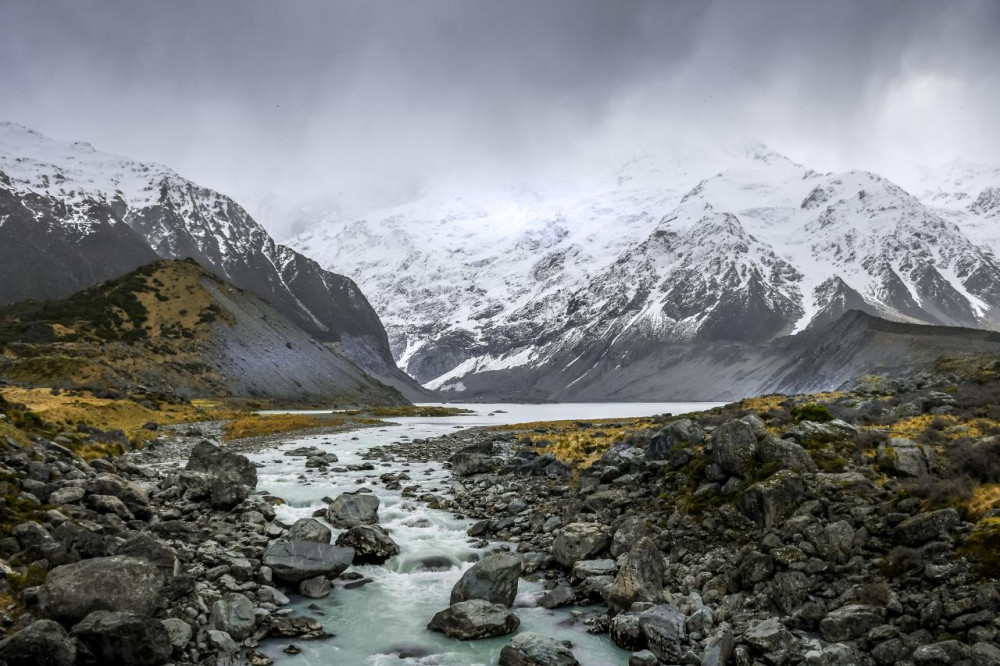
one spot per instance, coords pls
(257, 425)
(952, 427)
(577, 445)
(67, 410)
(984, 497)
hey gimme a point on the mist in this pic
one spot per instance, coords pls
(355, 105)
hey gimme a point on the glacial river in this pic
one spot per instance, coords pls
(375, 623)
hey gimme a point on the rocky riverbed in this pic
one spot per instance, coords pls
(848, 528)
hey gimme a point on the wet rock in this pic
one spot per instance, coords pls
(317, 587)
(123, 638)
(349, 510)
(233, 614)
(494, 579)
(41, 643)
(295, 626)
(371, 544)
(309, 529)
(529, 649)
(120, 583)
(563, 595)
(474, 619)
(640, 577)
(734, 447)
(579, 541)
(294, 561)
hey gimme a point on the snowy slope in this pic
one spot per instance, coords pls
(743, 246)
(71, 216)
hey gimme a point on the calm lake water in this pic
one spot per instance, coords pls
(374, 623)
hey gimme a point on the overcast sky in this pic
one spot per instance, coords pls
(362, 102)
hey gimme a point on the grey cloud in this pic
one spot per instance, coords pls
(360, 101)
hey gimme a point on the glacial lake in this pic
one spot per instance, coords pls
(374, 623)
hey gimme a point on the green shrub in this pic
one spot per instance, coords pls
(812, 411)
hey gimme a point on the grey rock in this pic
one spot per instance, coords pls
(785, 453)
(529, 649)
(719, 647)
(208, 457)
(985, 654)
(579, 541)
(850, 622)
(925, 527)
(309, 529)
(682, 431)
(832, 431)
(734, 447)
(349, 510)
(120, 583)
(371, 544)
(178, 631)
(628, 534)
(562, 595)
(474, 619)
(124, 638)
(770, 637)
(944, 653)
(587, 568)
(41, 643)
(902, 458)
(233, 614)
(663, 627)
(467, 463)
(317, 587)
(640, 577)
(494, 578)
(770, 501)
(67, 495)
(294, 561)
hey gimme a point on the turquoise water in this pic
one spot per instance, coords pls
(372, 623)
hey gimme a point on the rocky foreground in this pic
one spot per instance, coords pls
(766, 532)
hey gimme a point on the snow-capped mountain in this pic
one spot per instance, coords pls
(741, 247)
(71, 216)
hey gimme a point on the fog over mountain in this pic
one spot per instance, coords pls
(353, 106)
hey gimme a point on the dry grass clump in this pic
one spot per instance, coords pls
(69, 409)
(579, 443)
(258, 425)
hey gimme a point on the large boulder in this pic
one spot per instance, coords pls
(147, 547)
(233, 614)
(208, 457)
(831, 431)
(494, 578)
(924, 527)
(663, 627)
(120, 583)
(849, 622)
(786, 454)
(123, 638)
(352, 509)
(770, 501)
(640, 577)
(473, 619)
(309, 529)
(371, 544)
(467, 463)
(530, 649)
(678, 433)
(294, 561)
(579, 541)
(41, 643)
(131, 494)
(734, 447)
(630, 531)
(903, 458)
(230, 477)
(770, 637)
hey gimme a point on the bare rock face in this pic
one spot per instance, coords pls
(474, 619)
(494, 579)
(119, 583)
